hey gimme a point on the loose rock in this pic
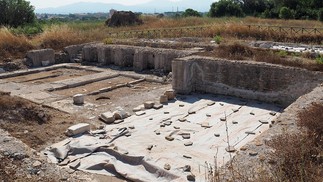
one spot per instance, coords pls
(149, 104)
(78, 129)
(191, 177)
(187, 168)
(107, 117)
(163, 99)
(167, 167)
(169, 138)
(78, 99)
(158, 106)
(230, 149)
(190, 143)
(253, 153)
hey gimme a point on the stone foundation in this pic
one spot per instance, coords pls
(250, 80)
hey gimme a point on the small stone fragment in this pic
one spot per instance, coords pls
(253, 153)
(190, 143)
(163, 99)
(186, 136)
(252, 113)
(258, 143)
(140, 113)
(235, 110)
(166, 112)
(150, 147)
(230, 149)
(118, 121)
(210, 103)
(206, 125)
(264, 122)
(158, 106)
(223, 119)
(221, 104)
(169, 138)
(208, 115)
(149, 104)
(78, 129)
(177, 127)
(273, 113)
(162, 125)
(187, 168)
(74, 165)
(234, 122)
(244, 148)
(157, 132)
(78, 99)
(167, 167)
(107, 117)
(136, 109)
(250, 133)
(191, 177)
(170, 94)
(182, 119)
(127, 134)
(37, 164)
(187, 156)
(168, 123)
(120, 113)
(131, 127)
(216, 134)
(181, 105)
(64, 162)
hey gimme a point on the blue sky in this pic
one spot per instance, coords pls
(56, 3)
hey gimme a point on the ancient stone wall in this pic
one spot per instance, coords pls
(245, 79)
(140, 58)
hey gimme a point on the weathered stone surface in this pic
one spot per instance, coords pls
(78, 129)
(108, 117)
(197, 74)
(78, 99)
(149, 104)
(36, 57)
(163, 99)
(90, 53)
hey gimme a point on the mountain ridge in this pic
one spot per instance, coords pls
(155, 6)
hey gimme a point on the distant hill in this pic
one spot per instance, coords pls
(153, 6)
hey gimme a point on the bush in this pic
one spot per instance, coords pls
(286, 13)
(190, 12)
(15, 13)
(320, 15)
(226, 8)
(217, 39)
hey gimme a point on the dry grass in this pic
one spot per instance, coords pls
(13, 46)
(238, 51)
(300, 155)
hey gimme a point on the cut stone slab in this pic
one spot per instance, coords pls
(140, 113)
(163, 99)
(170, 94)
(78, 129)
(169, 138)
(149, 104)
(230, 149)
(108, 117)
(158, 106)
(190, 143)
(78, 99)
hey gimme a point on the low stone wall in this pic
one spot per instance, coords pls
(42, 57)
(245, 79)
(140, 58)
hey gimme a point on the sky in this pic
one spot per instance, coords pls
(56, 3)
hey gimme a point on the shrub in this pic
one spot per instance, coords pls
(286, 13)
(190, 12)
(320, 15)
(217, 39)
(226, 8)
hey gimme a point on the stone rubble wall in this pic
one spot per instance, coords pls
(250, 80)
(42, 57)
(140, 58)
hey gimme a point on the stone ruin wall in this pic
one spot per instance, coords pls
(250, 80)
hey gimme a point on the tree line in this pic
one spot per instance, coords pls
(284, 9)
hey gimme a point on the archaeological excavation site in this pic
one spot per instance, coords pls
(117, 112)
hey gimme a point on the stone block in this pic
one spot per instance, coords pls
(170, 94)
(78, 99)
(90, 53)
(120, 113)
(149, 104)
(73, 50)
(38, 57)
(78, 129)
(108, 117)
(163, 99)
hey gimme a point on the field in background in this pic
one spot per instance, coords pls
(57, 36)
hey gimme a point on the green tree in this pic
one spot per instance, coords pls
(190, 12)
(15, 13)
(286, 13)
(320, 15)
(226, 8)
